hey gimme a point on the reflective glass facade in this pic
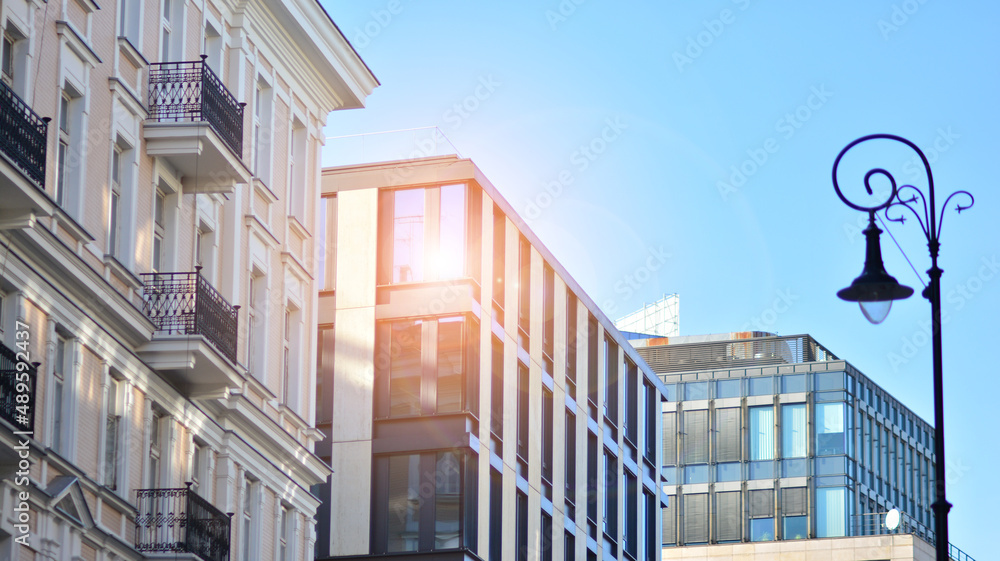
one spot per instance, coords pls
(787, 450)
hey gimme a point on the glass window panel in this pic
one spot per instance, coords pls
(834, 465)
(727, 388)
(404, 368)
(762, 433)
(451, 249)
(762, 386)
(728, 472)
(696, 474)
(728, 435)
(829, 429)
(829, 381)
(793, 383)
(695, 437)
(762, 470)
(448, 483)
(695, 390)
(408, 236)
(795, 468)
(670, 392)
(831, 512)
(404, 503)
(762, 529)
(795, 527)
(793, 430)
(696, 518)
(450, 364)
(669, 439)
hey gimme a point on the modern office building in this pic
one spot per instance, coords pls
(159, 165)
(770, 438)
(476, 403)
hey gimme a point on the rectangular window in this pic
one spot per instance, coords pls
(570, 466)
(547, 439)
(728, 517)
(499, 258)
(404, 501)
(592, 367)
(610, 380)
(696, 436)
(112, 433)
(793, 430)
(592, 481)
(158, 229)
(428, 230)
(114, 218)
(630, 521)
(569, 547)
(649, 533)
(283, 534)
(696, 518)
(262, 102)
(524, 286)
(62, 154)
(521, 527)
(631, 402)
(405, 368)
(59, 373)
(571, 315)
(249, 543)
(548, 310)
(610, 496)
(795, 522)
(762, 515)
(408, 236)
(761, 433)
(7, 58)
(668, 521)
(831, 512)
(651, 405)
(496, 388)
(198, 464)
(447, 501)
(522, 412)
(830, 429)
(450, 364)
(546, 537)
(727, 435)
(496, 515)
(670, 439)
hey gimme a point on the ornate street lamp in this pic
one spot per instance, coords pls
(875, 290)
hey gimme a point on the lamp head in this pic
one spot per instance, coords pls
(874, 290)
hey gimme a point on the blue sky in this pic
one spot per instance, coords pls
(618, 128)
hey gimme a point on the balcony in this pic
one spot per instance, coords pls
(22, 167)
(196, 125)
(179, 521)
(19, 412)
(194, 342)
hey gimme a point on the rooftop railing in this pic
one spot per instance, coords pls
(178, 520)
(17, 379)
(191, 92)
(186, 304)
(734, 353)
(873, 524)
(22, 135)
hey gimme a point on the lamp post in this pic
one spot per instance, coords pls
(875, 289)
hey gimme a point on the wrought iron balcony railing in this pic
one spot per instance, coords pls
(178, 520)
(186, 304)
(17, 388)
(22, 135)
(191, 92)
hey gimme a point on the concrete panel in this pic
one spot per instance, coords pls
(351, 500)
(357, 221)
(353, 374)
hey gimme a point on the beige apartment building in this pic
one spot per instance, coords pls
(158, 166)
